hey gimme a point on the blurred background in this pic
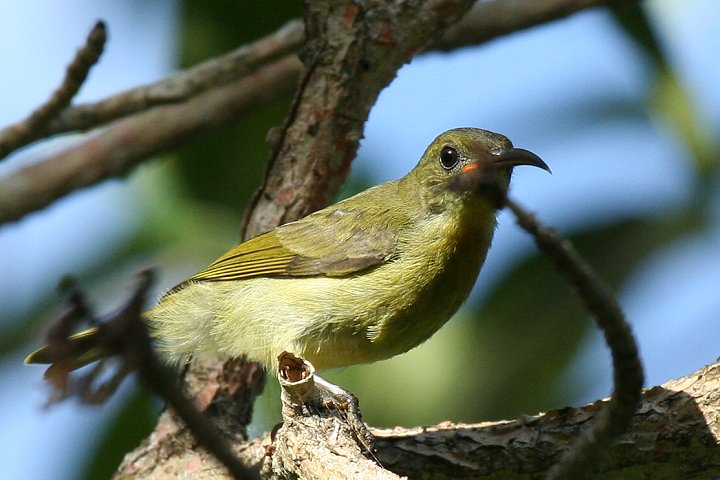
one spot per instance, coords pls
(625, 108)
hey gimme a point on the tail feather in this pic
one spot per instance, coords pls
(83, 345)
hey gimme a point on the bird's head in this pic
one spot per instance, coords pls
(466, 162)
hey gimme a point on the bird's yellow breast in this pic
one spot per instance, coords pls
(431, 287)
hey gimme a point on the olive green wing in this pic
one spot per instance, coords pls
(332, 242)
(260, 256)
(339, 241)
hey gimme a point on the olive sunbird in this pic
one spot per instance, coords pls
(362, 280)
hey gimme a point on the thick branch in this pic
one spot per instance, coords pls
(674, 434)
(354, 50)
(314, 410)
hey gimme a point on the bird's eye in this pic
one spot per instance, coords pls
(448, 157)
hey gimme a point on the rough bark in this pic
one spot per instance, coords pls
(675, 434)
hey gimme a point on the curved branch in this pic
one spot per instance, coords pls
(627, 368)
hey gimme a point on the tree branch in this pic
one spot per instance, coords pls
(184, 85)
(137, 348)
(314, 411)
(628, 371)
(116, 150)
(353, 51)
(489, 20)
(123, 336)
(37, 124)
(675, 433)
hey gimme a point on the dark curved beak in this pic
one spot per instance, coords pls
(493, 170)
(513, 157)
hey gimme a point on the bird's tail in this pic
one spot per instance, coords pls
(83, 346)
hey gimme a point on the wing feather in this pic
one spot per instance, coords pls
(336, 241)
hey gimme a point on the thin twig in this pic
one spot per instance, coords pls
(216, 72)
(489, 20)
(628, 371)
(177, 88)
(36, 125)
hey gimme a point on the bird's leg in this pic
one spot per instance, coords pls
(306, 394)
(343, 401)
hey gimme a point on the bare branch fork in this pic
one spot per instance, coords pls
(37, 124)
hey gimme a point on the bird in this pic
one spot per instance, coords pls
(362, 280)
